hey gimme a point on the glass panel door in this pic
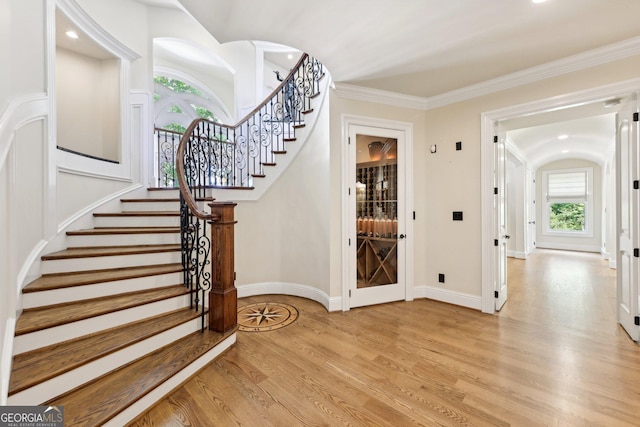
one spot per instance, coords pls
(376, 211)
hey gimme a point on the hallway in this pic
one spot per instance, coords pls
(576, 290)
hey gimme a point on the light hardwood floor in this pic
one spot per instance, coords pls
(554, 356)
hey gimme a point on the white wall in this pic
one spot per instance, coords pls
(587, 243)
(284, 236)
(23, 128)
(83, 125)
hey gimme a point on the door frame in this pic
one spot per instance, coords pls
(348, 223)
(487, 125)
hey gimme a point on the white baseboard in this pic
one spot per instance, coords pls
(451, 297)
(567, 247)
(516, 254)
(294, 289)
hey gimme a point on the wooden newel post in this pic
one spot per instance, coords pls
(223, 298)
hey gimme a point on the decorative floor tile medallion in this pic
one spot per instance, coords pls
(266, 316)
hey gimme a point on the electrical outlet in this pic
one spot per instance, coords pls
(457, 215)
(441, 278)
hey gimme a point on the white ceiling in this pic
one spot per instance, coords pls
(426, 48)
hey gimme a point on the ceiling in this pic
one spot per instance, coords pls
(426, 48)
(423, 47)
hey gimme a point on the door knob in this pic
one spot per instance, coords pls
(402, 236)
(506, 236)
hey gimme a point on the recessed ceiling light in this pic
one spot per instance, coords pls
(563, 136)
(290, 56)
(72, 34)
(564, 151)
(538, 1)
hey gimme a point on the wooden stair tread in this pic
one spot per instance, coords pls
(258, 175)
(290, 139)
(143, 200)
(39, 318)
(96, 251)
(100, 400)
(36, 366)
(232, 187)
(269, 164)
(123, 230)
(279, 152)
(136, 213)
(66, 280)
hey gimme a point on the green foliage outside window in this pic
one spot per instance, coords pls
(181, 87)
(176, 85)
(175, 127)
(566, 217)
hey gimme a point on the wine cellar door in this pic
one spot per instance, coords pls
(377, 221)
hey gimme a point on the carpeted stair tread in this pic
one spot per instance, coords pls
(65, 280)
(39, 318)
(89, 252)
(36, 366)
(100, 400)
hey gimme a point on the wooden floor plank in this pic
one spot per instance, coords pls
(428, 363)
(42, 364)
(35, 319)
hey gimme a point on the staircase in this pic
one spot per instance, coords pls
(107, 330)
(110, 327)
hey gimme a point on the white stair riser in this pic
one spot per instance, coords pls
(164, 194)
(103, 262)
(72, 330)
(154, 396)
(123, 239)
(137, 221)
(76, 293)
(56, 386)
(169, 205)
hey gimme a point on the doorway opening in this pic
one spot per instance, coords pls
(538, 113)
(377, 251)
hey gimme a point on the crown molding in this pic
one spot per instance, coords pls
(90, 27)
(360, 93)
(581, 61)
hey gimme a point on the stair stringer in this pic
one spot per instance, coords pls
(261, 185)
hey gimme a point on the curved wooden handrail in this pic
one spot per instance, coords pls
(184, 187)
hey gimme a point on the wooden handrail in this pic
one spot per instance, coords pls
(184, 187)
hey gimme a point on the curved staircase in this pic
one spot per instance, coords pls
(107, 330)
(112, 325)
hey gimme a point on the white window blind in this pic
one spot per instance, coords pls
(567, 185)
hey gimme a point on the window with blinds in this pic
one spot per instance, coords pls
(568, 201)
(567, 185)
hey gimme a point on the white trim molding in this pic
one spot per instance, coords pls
(450, 297)
(568, 247)
(581, 61)
(293, 289)
(359, 93)
(85, 23)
